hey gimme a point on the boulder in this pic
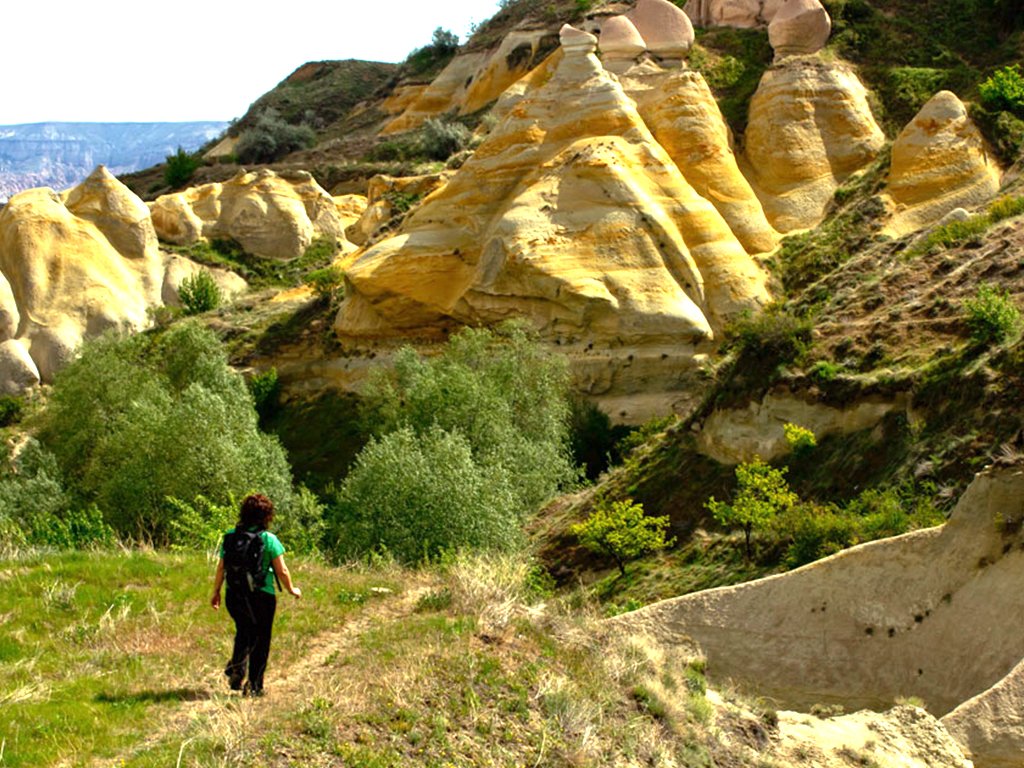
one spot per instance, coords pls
(619, 42)
(18, 372)
(10, 317)
(350, 210)
(990, 726)
(681, 112)
(809, 128)
(270, 215)
(743, 14)
(939, 163)
(665, 29)
(799, 27)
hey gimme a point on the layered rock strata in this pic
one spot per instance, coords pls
(270, 215)
(809, 128)
(939, 163)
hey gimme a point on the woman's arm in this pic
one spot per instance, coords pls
(286, 578)
(218, 580)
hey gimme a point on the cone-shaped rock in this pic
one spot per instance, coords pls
(799, 27)
(809, 128)
(939, 163)
(570, 214)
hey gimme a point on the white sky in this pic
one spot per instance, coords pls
(141, 61)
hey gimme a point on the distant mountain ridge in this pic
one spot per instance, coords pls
(60, 155)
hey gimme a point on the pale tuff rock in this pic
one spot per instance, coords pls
(904, 737)
(991, 725)
(445, 93)
(939, 163)
(18, 372)
(570, 214)
(75, 275)
(224, 148)
(269, 215)
(513, 59)
(10, 317)
(350, 209)
(401, 98)
(620, 43)
(681, 111)
(380, 204)
(799, 27)
(665, 29)
(810, 127)
(744, 14)
(838, 631)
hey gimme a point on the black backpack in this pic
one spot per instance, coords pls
(243, 560)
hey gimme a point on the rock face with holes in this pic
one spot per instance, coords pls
(272, 216)
(837, 630)
(939, 163)
(72, 267)
(810, 128)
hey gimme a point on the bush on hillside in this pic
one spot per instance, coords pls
(138, 419)
(180, 168)
(440, 140)
(621, 530)
(762, 493)
(991, 315)
(271, 138)
(1003, 91)
(769, 339)
(199, 293)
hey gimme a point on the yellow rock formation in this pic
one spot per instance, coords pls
(384, 201)
(270, 215)
(681, 111)
(569, 213)
(939, 163)
(809, 128)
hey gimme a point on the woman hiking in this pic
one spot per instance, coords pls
(251, 560)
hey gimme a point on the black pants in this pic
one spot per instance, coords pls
(253, 613)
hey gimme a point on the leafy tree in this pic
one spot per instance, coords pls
(138, 419)
(621, 530)
(180, 168)
(199, 293)
(444, 41)
(762, 493)
(1004, 90)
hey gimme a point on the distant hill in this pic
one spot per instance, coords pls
(60, 155)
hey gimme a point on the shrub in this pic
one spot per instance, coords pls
(418, 495)
(135, 420)
(180, 168)
(1004, 90)
(816, 532)
(199, 293)
(762, 493)
(271, 137)
(444, 41)
(265, 388)
(800, 439)
(326, 282)
(440, 140)
(992, 317)
(621, 531)
(11, 409)
(1005, 208)
(769, 339)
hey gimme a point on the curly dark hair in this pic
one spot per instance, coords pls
(256, 511)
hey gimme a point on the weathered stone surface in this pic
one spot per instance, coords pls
(809, 128)
(735, 435)
(990, 726)
(620, 39)
(270, 215)
(518, 53)
(382, 203)
(744, 14)
(799, 27)
(838, 631)
(665, 29)
(350, 209)
(122, 218)
(10, 317)
(569, 214)
(18, 372)
(939, 163)
(401, 98)
(681, 111)
(445, 93)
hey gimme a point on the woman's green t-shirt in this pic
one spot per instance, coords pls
(272, 547)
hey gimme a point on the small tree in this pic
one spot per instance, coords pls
(180, 167)
(199, 293)
(992, 317)
(621, 530)
(762, 493)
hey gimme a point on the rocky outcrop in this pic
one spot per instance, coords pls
(799, 27)
(737, 435)
(270, 215)
(939, 163)
(837, 630)
(620, 43)
(75, 267)
(744, 14)
(386, 198)
(681, 111)
(990, 726)
(350, 210)
(810, 127)
(665, 29)
(569, 213)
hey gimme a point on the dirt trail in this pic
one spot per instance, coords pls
(284, 683)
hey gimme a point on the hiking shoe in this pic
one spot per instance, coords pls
(234, 679)
(250, 691)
